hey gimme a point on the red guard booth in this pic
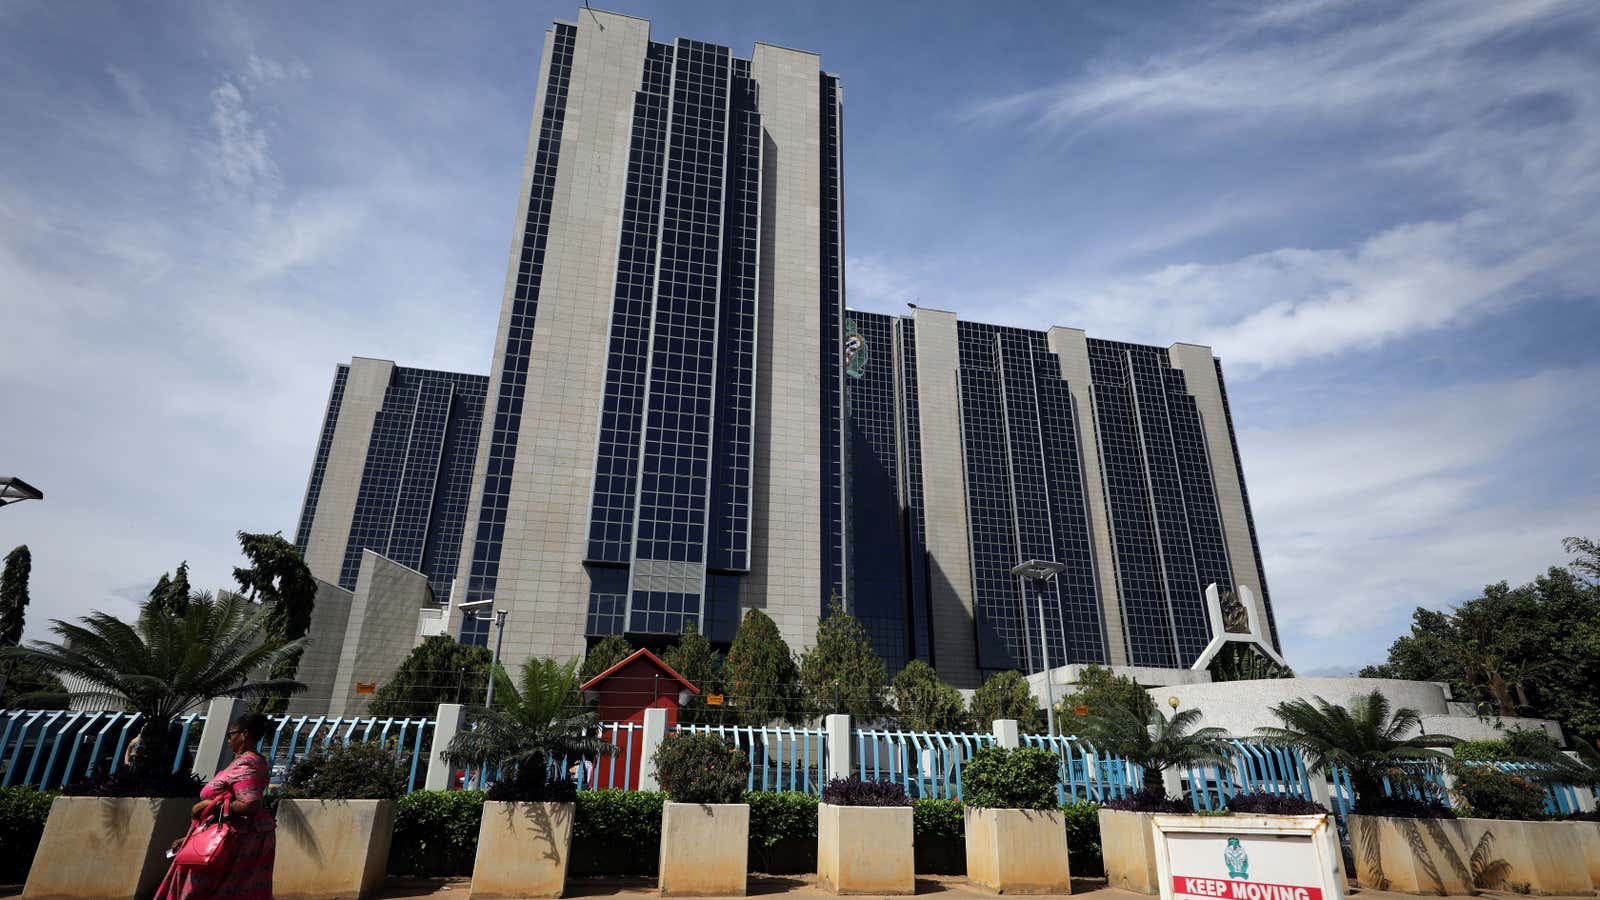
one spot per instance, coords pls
(625, 691)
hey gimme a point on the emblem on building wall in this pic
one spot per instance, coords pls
(1237, 860)
(855, 349)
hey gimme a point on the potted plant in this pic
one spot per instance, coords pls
(335, 822)
(168, 662)
(525, 836)
(1016, 836)
(864, 838)
(1510, 844)
(1409, 841)
(1153, 742)
(705, 829)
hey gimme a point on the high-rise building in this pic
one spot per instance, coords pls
(682, 422)
(974, 447)
(664, 443)
(392, 472)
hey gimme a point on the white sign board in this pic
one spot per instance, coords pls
(1245, 857)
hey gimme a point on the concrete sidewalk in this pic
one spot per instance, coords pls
(795, 887)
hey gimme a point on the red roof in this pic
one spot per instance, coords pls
(652, 658)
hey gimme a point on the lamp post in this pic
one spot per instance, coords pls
(1039, 571)
(15, 490)
(494, 659)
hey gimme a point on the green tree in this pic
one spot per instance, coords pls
(1152, 741)
(540, 719)
(693, 658)
(1587, 564)
(14, 595)
(925, 702)
(760, 673)
(1006, 696)
(172, 591)
(164, 665)
(277, 577)
(1244, 662)
(1368, 739)
(439, 670)
(841, 673)
(606, 652)
(1099, 689)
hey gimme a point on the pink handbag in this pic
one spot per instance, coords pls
(208, 841)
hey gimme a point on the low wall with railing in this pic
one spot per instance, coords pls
(46, 749)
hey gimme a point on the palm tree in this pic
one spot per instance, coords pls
(540, 718)
(1367, 739)
(165, 664)
(1155, 742)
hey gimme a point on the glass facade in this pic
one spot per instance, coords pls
(411, 504)
(879, 595)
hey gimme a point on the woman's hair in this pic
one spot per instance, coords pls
(254, 726)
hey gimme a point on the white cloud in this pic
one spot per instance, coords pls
(237, 157)
(1421, 500)
(132, 89)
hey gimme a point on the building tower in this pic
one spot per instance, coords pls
(663, 441)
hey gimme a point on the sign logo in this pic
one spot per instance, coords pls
(1237, 860)
(855, 349)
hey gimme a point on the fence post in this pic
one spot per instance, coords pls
(448, 719)
(655, 731)
(1005, 733)
(213, 753)
(838, 728)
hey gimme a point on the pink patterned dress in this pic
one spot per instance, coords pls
(248, 876)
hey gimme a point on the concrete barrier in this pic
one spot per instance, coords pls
(865, 850)
(1589, 837)
(1415, 856)
(1127, 843)
(704, 849)
(1528, 857)
(523, 850)
(1017, 851)
(105, 848)
(331, 848)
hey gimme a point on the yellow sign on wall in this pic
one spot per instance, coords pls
(366, 687)
(713, 699)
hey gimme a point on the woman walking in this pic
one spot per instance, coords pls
(247, 872)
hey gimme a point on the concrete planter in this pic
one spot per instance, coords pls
(107, 848)
(1127, 843)
(1530, 857)
(1017, 851)
(523, 850)
(331, 848)
(704, 849)
(1589, 837)
(865, 850)
(1415, 856)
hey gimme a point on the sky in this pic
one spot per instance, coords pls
(1380, 216)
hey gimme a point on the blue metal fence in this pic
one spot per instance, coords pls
(781, 758)
(295, 737)
(46, 748)
(1252, 768)
(1085, 775)
(926, 763)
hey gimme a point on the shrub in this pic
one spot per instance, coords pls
(1407, 808)
(783, 832)
(1083, 839)
(937, 819)
(436, 833)
(1001, 778)
(1489, 793)
(1264, 803)
(1483, 751)
(130, 782)
(616, 832)
(355, 771)
(856, 791)
(1153, 799)
(701, 768)
(23, 812)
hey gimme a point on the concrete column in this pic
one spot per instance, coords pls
(1171, 782)
(838, 728)
(448, 721)
(213, 754)
(655, 731)
(1006, 735)
(1321, 792)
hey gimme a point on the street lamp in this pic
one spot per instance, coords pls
(471, 609)
(15, 490)
(1040, 571)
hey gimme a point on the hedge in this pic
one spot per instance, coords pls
(23, 812)
(435, 833)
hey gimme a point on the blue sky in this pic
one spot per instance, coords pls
(1380, 216)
